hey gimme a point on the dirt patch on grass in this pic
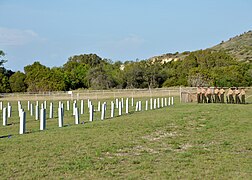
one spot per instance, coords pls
(183, 147)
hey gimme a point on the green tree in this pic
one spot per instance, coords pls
(77, 67)
(4, 84)
(2, 60)
(40, 78)
(17, 82)
(99, 78)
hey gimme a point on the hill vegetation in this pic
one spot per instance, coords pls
(227, 64)
(239, 46)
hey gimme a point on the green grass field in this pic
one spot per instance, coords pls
(184, 141)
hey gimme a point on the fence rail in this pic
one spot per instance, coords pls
(186, 94)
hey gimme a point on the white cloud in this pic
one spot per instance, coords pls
(16, 37)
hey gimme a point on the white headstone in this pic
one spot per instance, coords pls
(63, 109)
(132, 101)
(51, 111)
(117, 103)
(22, 124)
(127, 106)
(99, 106)
(162, 102)
(122, 100)
(151, 103)
(146, 105)
(172, 101)
(165, 102)
(42, 106)
(103, 111)
(5, 118)
(169, 101)
(28, 106)
(112, 109)
(9, 110)
(158, 103)
(119, 108)
(19, 105)
(137, 105)
(74, 106)
(155, 104)
(60, 116)
(88, 103)
(20, 112)
(140, 105)
(68, 105)
(77, 116)
(82, 107)
(1, 105)
(42, 119)
(37, 112)
(91, 113)
(45, 103)
(31, 109)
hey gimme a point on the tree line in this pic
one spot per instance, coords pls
(89, 71)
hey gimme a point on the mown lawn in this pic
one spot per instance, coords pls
(184, 141)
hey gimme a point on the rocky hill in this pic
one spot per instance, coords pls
(239, 46)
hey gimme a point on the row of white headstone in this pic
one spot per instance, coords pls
(40, 114)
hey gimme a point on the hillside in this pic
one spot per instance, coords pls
(239, 46)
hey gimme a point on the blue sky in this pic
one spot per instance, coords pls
(50, 31)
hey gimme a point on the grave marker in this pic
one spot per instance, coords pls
(155, 104)
(91, 113)
(5, 118)
(31, 109)
(112, 109)
(120, 108)
(37, 112)
(127, 106)
(22, 125)
(28, 105)
(76, 115)
(68, 105)
(51, 111)
(99, 106)
(60, 116)
(82, 107)
(137, 106)
(9, 110)
(103, 111)
(151, 103)
(42, 119)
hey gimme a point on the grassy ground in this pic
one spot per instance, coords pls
(185, 141)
